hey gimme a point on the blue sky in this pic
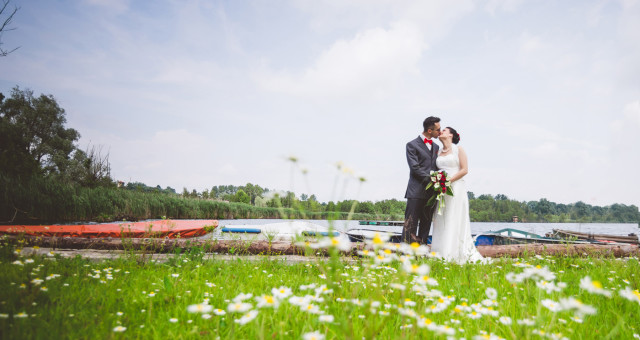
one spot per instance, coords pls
(546, 94)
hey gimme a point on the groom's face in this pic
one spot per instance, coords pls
(435, 131)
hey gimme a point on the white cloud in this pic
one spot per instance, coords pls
(632, 113)
(530, 43)
(168, 157)
(369, 63)
(626, 129)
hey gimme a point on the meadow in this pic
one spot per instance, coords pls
(391, 292)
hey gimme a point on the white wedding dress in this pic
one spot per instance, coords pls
(451, 237)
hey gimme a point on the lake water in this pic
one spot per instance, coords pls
(481, 227)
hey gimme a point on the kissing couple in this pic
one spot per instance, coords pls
(451, 238)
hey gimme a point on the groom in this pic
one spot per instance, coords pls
(421, 157)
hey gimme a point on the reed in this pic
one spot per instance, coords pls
(40, 201)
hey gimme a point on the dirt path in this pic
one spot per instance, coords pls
(101, 255)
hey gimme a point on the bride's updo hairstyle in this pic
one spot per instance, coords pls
(456, 135)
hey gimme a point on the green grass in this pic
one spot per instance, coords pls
(79, 304)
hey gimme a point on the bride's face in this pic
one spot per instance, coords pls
(446, 134)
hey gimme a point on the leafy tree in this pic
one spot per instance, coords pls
(501, 197)
(89, 169)
(242, 197)
(366, 207)
(36, 132)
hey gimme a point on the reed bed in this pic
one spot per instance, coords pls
(41, 201)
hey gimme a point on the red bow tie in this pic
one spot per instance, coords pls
(428, 141)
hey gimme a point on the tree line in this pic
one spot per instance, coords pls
(46, 178)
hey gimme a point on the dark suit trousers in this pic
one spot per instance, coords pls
(417, 215)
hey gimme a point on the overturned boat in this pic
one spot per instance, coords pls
(144, 229)
(590, 237)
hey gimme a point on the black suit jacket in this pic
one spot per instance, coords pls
(421, 162)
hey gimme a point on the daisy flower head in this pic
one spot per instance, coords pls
(378, 239)
(426, 280)
(551, 287)
(282, 292)
(412, 268)
(247, 317)
(552, 305)
(199, 308)
(491, 293)
(323, 290)
(241, 297)
(326, 318)
(424, 322)
(239, 307)
(397, 286)
(313, 336)
(577, 305)
(311, 308)
(119, 329)
(594, 287)
(342, 243)
(631, 295)
(267, 301)
(505, 320)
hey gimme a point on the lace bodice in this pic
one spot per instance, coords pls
(450, 162)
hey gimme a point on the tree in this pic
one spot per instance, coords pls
(36, 136)
(4, 24)
(501, 197)
(242, 197)
(90, 169)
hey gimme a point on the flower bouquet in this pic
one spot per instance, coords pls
(441, 185)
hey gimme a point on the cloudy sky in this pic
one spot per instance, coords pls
(546, 94)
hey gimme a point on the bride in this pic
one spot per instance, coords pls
(451, 238)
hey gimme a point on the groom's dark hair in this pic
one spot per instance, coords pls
(430, 123)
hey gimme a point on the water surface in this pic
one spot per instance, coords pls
(479, 227)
